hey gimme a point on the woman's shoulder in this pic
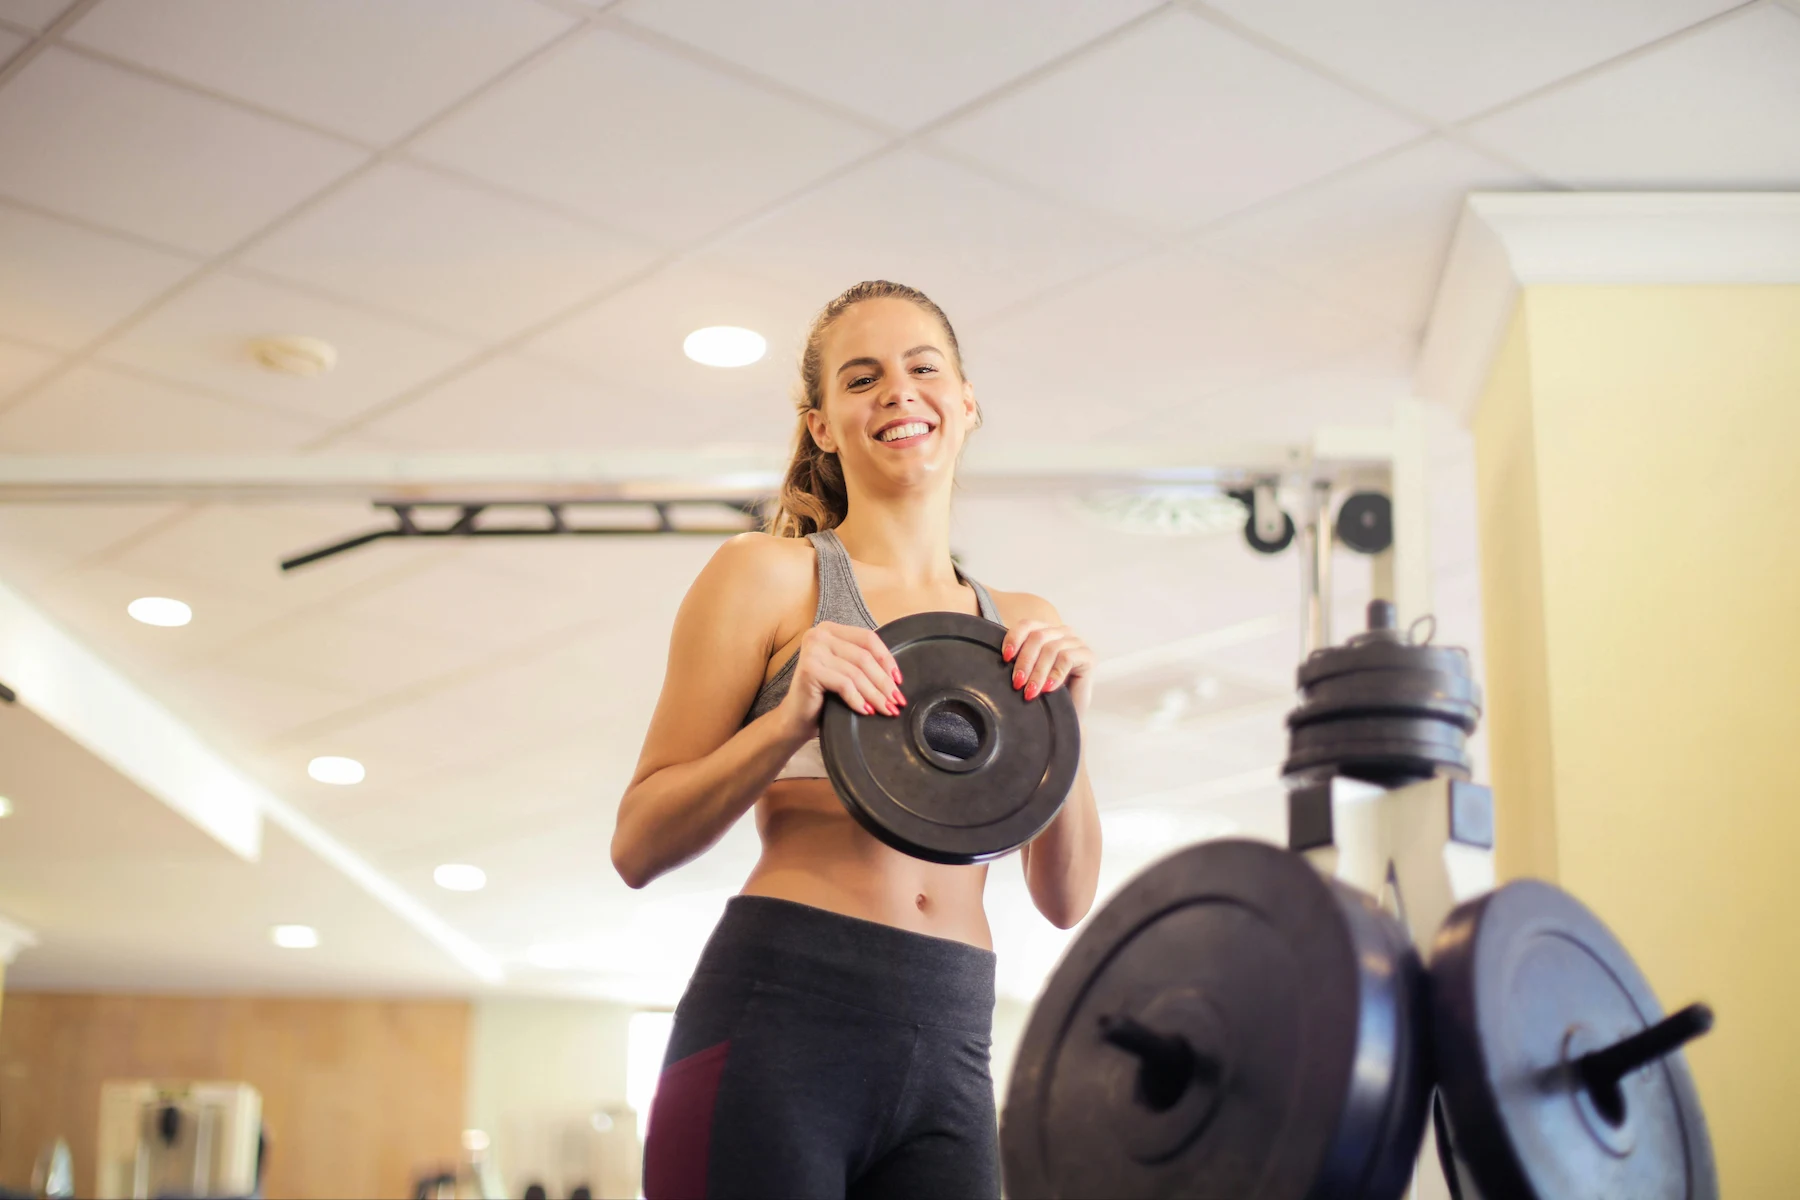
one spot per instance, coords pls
(1024, 606)
(760, 563)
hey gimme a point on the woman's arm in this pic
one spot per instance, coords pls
(1062, 864)
(699, 772)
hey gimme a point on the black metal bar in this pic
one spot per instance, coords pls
(468, 513)
(1604, 1068)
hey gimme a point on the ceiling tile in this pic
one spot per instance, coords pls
(1175, 123)
(370, 71)
(203, 337)
(19, 365)
(1355, 389)
(411, 240)
(236, 710)
(947, 52)
(644, 140)
(91, 603)
(37, 14)
(38, 540)
(63, 286)
(632, 341)
(328, 652)
(1159, 332)
(96, 410)
(104, 144)
(1374, 238)
(1449, 59)
(235, 551)
(1718, 109)
(974, 245)
(518, 404)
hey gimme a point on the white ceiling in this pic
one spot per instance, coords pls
(1209, 222)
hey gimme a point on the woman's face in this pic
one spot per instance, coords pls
(896, 407)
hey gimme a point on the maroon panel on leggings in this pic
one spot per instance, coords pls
(680, 1132)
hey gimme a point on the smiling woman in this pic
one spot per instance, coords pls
(834, 1038)
(813, 496)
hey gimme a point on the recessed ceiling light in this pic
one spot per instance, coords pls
(294, 937)
(724, 346)
(329, 768)
(160, 610)
(5, 807)
(302, 356)
(460, 877)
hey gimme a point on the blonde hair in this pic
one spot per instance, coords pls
(812, 496)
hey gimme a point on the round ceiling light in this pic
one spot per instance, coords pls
(294, 937)
(460, 877)
(301, 356)
(5, 807)
(330, 768)
(724, 346)
(160, 610)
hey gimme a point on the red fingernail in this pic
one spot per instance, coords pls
(1006, 653)
(897, 698)
(867, 711)
(1031, 693)
(1018, 678)
(897, 678)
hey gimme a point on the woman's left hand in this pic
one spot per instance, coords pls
(1046, 657)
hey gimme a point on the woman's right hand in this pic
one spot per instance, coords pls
(846, 661)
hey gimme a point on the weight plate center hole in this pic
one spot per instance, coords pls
(956, 732)
(955, 729)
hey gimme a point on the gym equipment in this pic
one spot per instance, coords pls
(1267, 529)
(1558, 1070)
(1169, 1053)
(1231, 1024)
(171, 1138)
(1383, 708)
(1365, 522)
(969, 770)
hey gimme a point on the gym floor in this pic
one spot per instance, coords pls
(340, 831)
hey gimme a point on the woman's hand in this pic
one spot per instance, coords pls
(846, 661)
(1045, 657)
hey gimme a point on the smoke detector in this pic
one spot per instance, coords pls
(293, 355)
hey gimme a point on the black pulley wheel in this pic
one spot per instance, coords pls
(1559, 1073)
(1231, 1024)
(1365, 522)
(970, 769)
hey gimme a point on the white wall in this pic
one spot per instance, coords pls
(537, 1063)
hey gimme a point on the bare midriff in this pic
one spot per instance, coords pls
(814, 852)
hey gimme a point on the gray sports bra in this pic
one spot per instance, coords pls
(841, 601)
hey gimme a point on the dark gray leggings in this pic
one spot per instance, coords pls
(818, 1055)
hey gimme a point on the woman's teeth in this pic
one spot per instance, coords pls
(896, 432)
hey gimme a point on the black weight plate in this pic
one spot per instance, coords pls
(1350, 732)
(1382, 655)
(1302, 995)
(1455, 698)
(974, 802)
(1524, 980)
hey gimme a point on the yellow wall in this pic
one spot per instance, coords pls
(1638, 454)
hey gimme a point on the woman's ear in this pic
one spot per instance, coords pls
(821, 432)
(971, 408)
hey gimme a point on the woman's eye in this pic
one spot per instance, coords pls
(929, 370)
(860, 380)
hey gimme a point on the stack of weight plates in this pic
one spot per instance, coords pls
(1383, 708)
